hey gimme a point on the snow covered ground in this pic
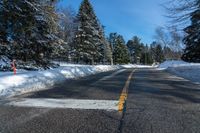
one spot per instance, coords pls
(28, 81)
(137, 66)
(190, 71)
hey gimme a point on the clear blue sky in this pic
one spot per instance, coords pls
(127, 17)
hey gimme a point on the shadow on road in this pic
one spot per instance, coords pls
(166, 87)
(91, 87)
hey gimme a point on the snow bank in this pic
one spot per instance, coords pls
(190, 71)
(172, 63)
(37, 80)
(124, 66)
(28, 81)
(136, 66)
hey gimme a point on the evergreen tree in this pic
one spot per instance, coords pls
(105, 49)
(120, 54)
(108, 53)
(192, 40)
(29, 27)
(3, 25)
(146, 57)
(88, 39)
(4, 47)
(157, 52)
(135, 49)
(112, 40)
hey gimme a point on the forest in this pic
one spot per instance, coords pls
(37, 32)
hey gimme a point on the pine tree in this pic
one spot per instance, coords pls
(192, 40)
(135, 49)
(157, 52)
(146, 57)
(30, 27)
(100, 44)
(4, 46)
(104, 48)
(108, 53)
(120, 54)
(112, 40)
(2, 23)
(88, 39)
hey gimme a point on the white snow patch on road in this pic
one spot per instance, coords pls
(66, 103)
(137, 66)
(190, 71)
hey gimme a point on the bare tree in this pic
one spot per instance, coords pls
(67, 30)
(161, 36)
(175, 39)
(171, 40)
(179, 11)
(67, 23)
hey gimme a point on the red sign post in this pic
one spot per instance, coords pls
(14, 67)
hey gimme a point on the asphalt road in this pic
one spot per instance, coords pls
(157, 102)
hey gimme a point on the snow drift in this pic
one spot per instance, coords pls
(190, 71)
(38, 80)
(29, 81)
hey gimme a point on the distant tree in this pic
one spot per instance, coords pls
(135, 48)
(67, 29)
(120, 54)
(112, 40)
(162, 37)
(105, 49)
(108, 53)
(157, 52)
(192, 40)
(146, 57)
(171, 41)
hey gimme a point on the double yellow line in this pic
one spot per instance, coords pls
(124, 94)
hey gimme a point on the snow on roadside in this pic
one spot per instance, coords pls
(124, 66)
(29, 81)
(137, 66)
(38, 80)
(172, 63)
(190, 71)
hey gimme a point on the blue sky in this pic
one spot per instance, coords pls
(127, 17)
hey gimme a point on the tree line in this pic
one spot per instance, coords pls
(35, 32)
(185, 15)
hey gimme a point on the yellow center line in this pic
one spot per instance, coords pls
(124, 93)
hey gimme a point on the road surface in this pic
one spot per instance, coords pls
(156, 102)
